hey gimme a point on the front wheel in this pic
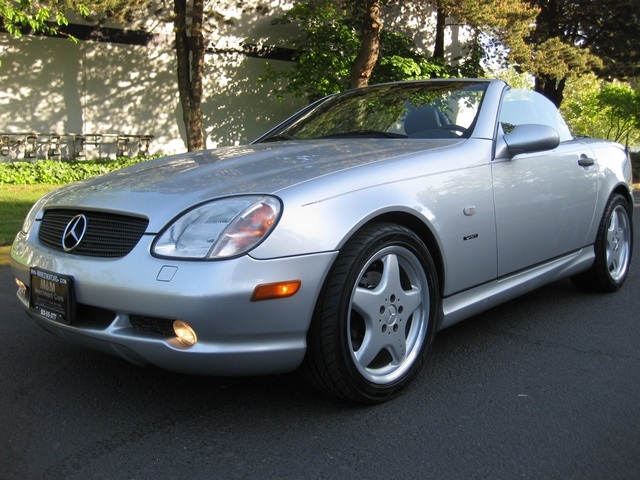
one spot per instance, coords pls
(376, 317)
(614, 242)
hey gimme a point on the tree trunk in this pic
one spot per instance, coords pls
(551, 88)
(547, 27)
(190, 59)
(441, 18)
(370, 49)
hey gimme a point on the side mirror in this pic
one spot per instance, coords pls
(529, 138)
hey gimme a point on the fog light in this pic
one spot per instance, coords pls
(22, 288)
(185, 333)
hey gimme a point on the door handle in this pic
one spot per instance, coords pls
(586, 161)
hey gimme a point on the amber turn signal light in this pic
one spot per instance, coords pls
(269, 291)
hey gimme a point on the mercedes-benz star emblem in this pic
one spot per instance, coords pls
(74, 232)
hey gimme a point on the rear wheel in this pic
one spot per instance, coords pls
(375, 321)
(613, 247)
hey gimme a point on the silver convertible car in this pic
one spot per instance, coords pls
(338, 243)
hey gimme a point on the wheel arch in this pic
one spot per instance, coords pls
(330, 362)
(418, 227)
(613, 247)
(623, 190)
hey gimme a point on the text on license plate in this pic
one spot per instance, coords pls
(52, 295)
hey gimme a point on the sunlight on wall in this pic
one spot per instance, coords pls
(52, 85)
(55, 86)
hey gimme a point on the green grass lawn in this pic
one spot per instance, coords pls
(15, 202)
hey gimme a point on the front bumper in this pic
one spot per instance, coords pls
(122, 301)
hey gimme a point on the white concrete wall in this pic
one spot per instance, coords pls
(50, 85)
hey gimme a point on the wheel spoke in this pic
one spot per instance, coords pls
(390, 274)
(373, 343)
(614, 229)
(386, 309)
(398, 347)
(616, 244)
(412, 301)
(366, 303)
(376, 340)
(613, 259)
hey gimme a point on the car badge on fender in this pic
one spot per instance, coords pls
(74, 233)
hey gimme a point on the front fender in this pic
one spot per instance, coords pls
(455, 206)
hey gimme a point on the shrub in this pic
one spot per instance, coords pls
(56, 172)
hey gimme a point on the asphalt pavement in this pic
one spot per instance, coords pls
(544, 387)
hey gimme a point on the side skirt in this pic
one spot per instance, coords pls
(483, 297)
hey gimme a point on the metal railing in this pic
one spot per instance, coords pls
(32, 146)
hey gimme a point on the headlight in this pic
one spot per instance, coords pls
(220, 229)
(33, 213)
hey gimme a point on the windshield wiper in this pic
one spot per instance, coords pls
(365, 134)
(277, 138)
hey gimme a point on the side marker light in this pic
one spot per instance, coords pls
(269, 291)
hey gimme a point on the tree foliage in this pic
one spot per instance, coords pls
(50, 16)
(42, 17)
(603, 109)
(337, 40)
(332, 43)
(344, 43)
(576, 37)
(505, 23)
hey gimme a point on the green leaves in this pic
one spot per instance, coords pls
(40, 16)
(24, 13)
(602, 109)
(56, 172)
(574, 37)
(329, 45)
(557, 59)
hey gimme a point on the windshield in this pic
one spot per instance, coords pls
(406, 110)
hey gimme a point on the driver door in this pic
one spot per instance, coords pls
(544, 201)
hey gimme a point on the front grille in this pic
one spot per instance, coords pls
(107, 234)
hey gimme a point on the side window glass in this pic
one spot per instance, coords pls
(520, 106)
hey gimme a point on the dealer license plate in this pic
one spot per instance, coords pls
(52, 296)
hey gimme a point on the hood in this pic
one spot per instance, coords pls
(160, 189)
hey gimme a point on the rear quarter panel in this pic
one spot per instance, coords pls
(614, 174)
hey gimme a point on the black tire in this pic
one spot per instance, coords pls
(376, 317)
(613, 247)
